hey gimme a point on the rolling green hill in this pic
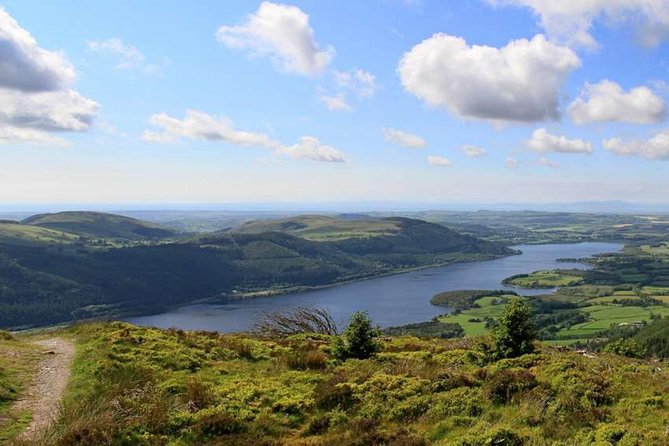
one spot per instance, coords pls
(98, 224)
(323, 228)
(17, 233)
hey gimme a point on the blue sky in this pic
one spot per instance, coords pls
(318, 106)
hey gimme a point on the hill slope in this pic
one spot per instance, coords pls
(147, 386)
(98, 224)
(323, 228)
(17, 233)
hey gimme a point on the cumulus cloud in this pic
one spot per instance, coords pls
(10, 135)
(34, 93)
(519, 82)
(201, 126)
(128, 57)
(542, 141)
(25, 66)
(439, 161)
(571, 22)
(473, 151)
(606, 101)
(335, 103)
(405, 139)
(655, 148)
(360, 82)
(198, 125)
(311, 148)
(48, 111)
(283, 33)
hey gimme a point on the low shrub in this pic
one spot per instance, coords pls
(309, 360)
(501, 386)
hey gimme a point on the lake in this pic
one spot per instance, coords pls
(391, 300)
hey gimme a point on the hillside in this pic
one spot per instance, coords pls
(49, 282)
(145, 386)
(16, 233)
(98, 224)
(323, 228)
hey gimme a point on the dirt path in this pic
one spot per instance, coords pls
(43, 396)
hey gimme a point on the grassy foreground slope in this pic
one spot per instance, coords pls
(98, 224)
(144, 386)
(17, 361)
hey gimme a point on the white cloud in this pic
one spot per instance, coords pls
(9, 135)
(656, 148)
(34, 93)
(511, 163)
(201, 126)
(548, 163)
(606, 101)
(335, 103)
(48, 111)
(542, 141)
(198, 125)
(439, 161)
(283, 33)
(473, 151)
(310, 148)
(128, 56)
(571, 21)
(25, 66)
(518, 82)
(405, 139)
(360, 82)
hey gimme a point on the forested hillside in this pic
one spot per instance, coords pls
(55, 276)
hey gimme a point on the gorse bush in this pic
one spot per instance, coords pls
(360, 339)
(515, 332)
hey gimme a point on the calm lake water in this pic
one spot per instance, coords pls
(392, 300)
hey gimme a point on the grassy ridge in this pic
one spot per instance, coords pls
(323, 228)
(99, 224)
(179, 388)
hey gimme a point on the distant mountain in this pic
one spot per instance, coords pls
(98, 224)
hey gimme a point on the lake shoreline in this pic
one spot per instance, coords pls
(233, 298)
(392, 299)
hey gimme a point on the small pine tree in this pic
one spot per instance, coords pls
(515, 332)
(359, 339)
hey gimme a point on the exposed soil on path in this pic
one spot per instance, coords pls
(43, 396)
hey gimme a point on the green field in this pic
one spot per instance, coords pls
(604, 316)
(472, 320)
(544, 279)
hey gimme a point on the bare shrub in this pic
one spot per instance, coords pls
(301, 320)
